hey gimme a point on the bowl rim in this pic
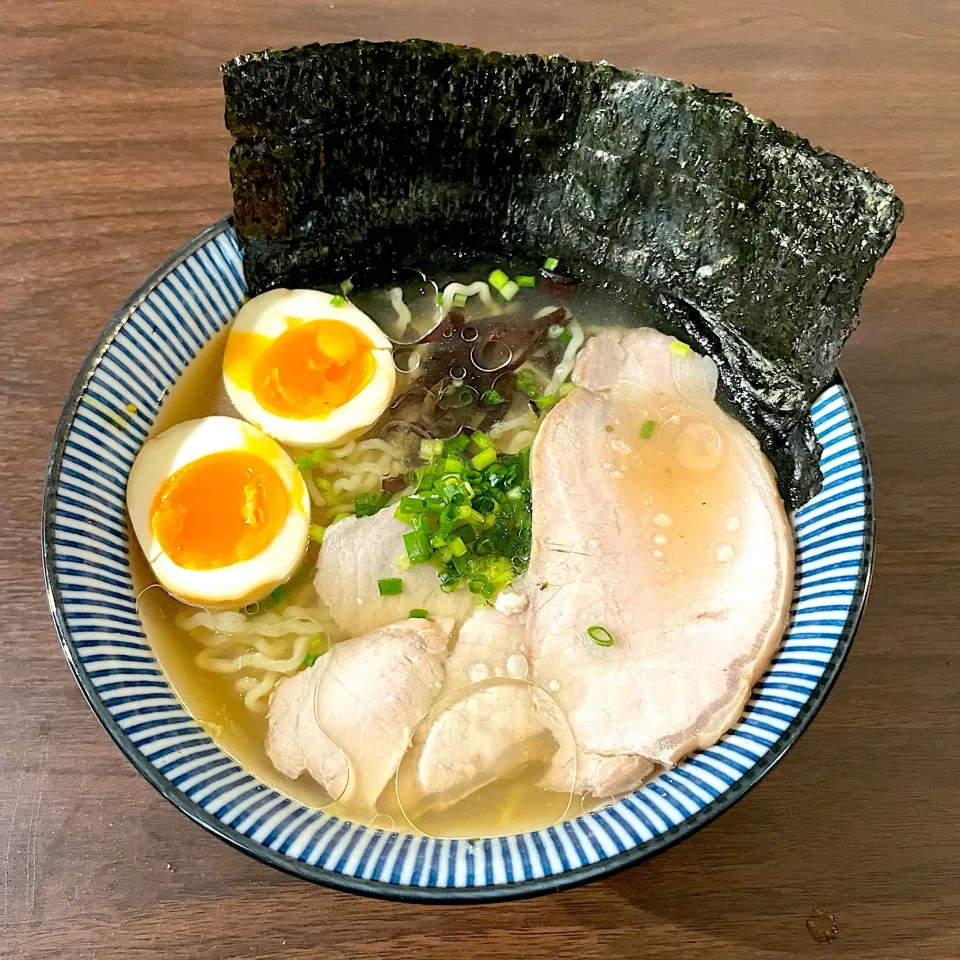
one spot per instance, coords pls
(520, 890)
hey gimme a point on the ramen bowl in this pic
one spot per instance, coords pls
(110, 412)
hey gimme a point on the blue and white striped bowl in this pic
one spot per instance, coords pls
(86, 546)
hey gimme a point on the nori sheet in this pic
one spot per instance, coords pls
(738, 236)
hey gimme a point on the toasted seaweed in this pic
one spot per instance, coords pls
(724, 229)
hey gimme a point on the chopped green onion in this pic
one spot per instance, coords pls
(439, 298)
(430, 449)
(402, 563)
(525, 281)
(337, 301)
(545, 403)
(459, 300)
(319, 455)
(551, 263)
(418, 613)
(491, 398)
(391, 587)
(509, 290)
(527, 383)
(601, 636)
(323, 483)
(646, 431)
(368, 504)
(304, 463)
(498, 279)
(482, 585)
(456, 444)
(310, 659)
(484, 458)
(317, 532)
(470, 517)
(417, 545)
(346, 286)
(279, 594)
(566, 389)
(482, 440)
(679, 349)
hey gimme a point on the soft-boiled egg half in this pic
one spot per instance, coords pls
(220, 510)
(307, 368)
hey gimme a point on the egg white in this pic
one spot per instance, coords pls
(268, 315)
(242, 582)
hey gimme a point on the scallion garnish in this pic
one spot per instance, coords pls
(525, 281)
(417, 545)
(278, 595)
(368, 504)
(304, 463)
(482, 440)
(481, 585)
(390, 587)
(317, 532)
(439, 298)
(546, 402)
(430, 449)
(456, 444)
(509, 290)
(646, 431)
(418, 613)
(601, 636)
(679, 349)
(484, 458)
(566, 389)
(337, 301)
(551, 263)
(491, 398)
(319, 455)
(527, 383)
(498, 279)
(459, 300)
(470, 516)
(316, 648)
(346, 287)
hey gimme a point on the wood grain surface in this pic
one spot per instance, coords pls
(114, 153)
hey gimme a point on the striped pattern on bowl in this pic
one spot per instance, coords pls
(108, 416)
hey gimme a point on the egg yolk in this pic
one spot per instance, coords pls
(218, 510)
(307, 372)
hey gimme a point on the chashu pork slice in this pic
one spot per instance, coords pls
(656, 518)
(487, 723)
(358, 552)
(347, 720)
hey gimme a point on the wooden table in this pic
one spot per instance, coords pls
(114, 153)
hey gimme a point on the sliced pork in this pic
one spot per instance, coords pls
(348, 719)
(357, 552)
(656, 525)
